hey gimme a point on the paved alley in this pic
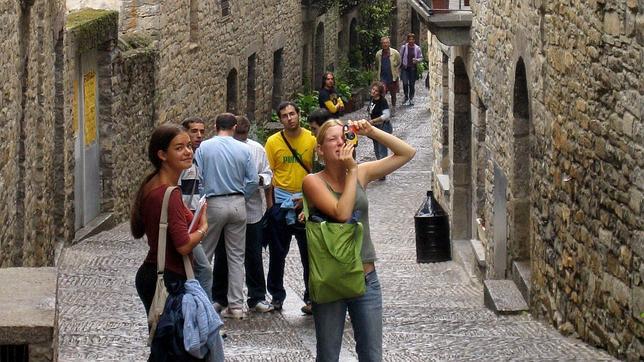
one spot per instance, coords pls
(432, 312)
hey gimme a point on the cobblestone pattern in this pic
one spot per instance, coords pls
(431, 311)
(584, 194)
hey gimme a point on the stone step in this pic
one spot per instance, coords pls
(503, 297)
(522, 277)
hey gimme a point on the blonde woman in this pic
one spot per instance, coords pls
(337, 193)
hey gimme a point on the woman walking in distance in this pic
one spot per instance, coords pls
(170, 152)
(336, 193)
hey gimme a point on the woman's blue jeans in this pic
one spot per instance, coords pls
(379, 149)
(366, 319)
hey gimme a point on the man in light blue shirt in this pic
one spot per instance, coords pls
(229, 178)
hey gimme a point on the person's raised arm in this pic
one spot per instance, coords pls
(402, 153)
(317, 194)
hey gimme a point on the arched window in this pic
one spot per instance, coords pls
(194, 20)
(231, 91)
(225, 8)
(319, 55)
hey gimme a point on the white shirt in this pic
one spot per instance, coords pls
(255, 205)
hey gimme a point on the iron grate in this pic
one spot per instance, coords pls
(14, 353)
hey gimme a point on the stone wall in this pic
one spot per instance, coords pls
(134, 79)
(403, 25)
(197, 55)
(556, 109)
(28, 115)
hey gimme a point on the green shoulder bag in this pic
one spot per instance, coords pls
(335, 265)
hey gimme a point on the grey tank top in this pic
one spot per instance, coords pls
(368, 252)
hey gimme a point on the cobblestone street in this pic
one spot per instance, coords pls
(431, 311)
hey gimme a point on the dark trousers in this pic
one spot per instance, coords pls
(279, 248)
(408, 76)
(252, 264)
(146, 283)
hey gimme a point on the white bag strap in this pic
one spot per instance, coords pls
(163, 231)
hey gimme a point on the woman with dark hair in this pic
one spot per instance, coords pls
(338, 193)
(329, 98)
(170, 152)
(379, 115)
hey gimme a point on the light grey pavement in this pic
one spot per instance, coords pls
(432, 312)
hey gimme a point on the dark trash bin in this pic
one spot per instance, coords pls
(432, 232)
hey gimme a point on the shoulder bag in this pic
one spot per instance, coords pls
(161, 293)
(335, 265)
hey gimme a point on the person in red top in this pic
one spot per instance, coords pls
(170, 152)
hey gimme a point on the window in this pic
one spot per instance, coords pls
(225, 8)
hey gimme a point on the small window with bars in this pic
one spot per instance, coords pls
(225, 8)
(14, 353)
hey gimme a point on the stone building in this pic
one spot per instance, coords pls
(536, 112)
(30, 116)
(84, 87)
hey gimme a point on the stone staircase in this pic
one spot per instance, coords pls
(506, 296)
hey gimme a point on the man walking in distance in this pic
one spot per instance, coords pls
(290, 155)
(255, 281)
(230, 177)
(388, 63)
(411, 55)
(191, 188)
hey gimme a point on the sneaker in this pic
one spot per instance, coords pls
(277, 304)
(307, 309)
(405, 103)
(410, 103)
(233, 313)
(218, 307)
(263, 307)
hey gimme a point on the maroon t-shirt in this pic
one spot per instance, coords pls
(179, 219)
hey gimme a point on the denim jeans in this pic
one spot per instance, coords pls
(379, 149)
(202, 269)
(366, 319)
(278, 250)
(408, 76)
(253, 264)
(146, 283)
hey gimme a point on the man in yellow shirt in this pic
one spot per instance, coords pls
(290, 155)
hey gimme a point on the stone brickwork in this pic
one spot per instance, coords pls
(28, 114)
(198, 52)
(133, 79)
(555, 109)
(402, 25)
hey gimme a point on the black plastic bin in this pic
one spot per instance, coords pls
(432, 232)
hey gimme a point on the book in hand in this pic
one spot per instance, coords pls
(198, 214)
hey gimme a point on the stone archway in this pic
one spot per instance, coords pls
(250, 87)
(231, 91)
(519, 203)
(354, 49)
(444, 161)
(319, 55)
(278, 74)
(461, 153)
